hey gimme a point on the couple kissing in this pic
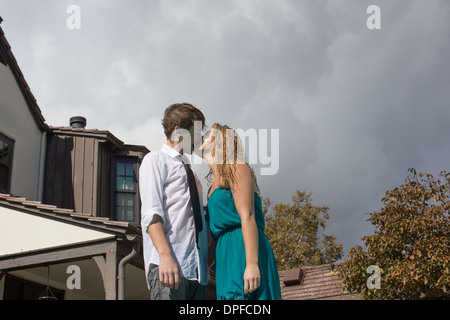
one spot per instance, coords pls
(181, 241)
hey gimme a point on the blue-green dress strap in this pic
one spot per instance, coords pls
(225, 226)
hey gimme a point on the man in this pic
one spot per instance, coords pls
(173, 226)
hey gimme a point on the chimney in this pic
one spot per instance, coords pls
(293, 277)
(78, 122)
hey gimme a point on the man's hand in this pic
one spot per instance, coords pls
(169, 276)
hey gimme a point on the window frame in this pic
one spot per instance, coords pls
(5, 139)
(135, 191)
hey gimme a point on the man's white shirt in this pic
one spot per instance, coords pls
(164, 191)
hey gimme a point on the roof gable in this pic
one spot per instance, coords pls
(8, 59)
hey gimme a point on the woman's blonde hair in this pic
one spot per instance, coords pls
(227, 150)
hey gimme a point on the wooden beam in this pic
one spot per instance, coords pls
(111, 276)
(57, 255)
(101, 263)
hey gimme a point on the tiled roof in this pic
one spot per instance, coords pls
(318, 283)
(68, 215)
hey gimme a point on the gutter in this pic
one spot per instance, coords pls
(122, 264)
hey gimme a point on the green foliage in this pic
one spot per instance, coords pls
(293, 231)
(411, 243)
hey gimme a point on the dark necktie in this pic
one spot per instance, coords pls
(194, 200)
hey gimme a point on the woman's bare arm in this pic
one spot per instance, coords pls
(243, 194)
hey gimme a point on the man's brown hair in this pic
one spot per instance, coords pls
(182, 115)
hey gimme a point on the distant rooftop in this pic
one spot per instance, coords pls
(314, 283)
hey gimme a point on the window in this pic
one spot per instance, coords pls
(6, 154)
(125, 193)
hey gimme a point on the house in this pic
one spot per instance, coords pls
(93, 172)
(43, 244)
(319, 282)
(69, 204)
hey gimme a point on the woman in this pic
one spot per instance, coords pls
(244, 261)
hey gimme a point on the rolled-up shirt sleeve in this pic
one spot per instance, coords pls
(152, 176)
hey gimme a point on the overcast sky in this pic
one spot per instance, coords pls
(355, 108)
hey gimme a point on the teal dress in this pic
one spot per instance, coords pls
(225, 226)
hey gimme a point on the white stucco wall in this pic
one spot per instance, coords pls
(17, 122)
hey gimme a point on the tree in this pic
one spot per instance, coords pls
(411, 243)
(294, 233)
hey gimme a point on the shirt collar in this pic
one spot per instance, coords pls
(174, 154)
